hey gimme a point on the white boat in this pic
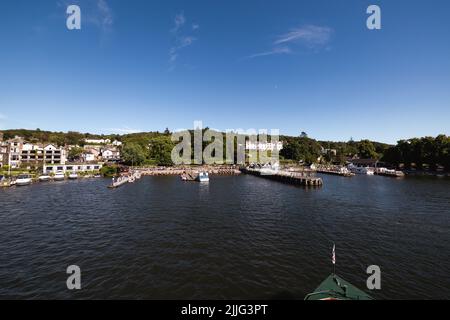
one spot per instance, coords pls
(203, 177)
(59, 176)
(73, 176)
(361, 170)
(23, 180)
(44, 178)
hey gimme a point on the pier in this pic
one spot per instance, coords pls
(295, 178)
(120, 181)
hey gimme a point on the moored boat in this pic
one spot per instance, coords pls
(23, 180)
(362, 170)
(59, 176)
(44, 178)
(73, 176)
(203, 177)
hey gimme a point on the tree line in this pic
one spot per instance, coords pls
(154, 148)
(420, 153)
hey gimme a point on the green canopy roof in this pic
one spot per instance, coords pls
(336, 288)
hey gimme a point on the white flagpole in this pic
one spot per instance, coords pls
(333, 258)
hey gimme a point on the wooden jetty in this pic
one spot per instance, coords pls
(296, 178)
(125, 179)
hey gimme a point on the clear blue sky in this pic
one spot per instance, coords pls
(296, 66)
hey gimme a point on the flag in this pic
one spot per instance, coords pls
(333, 256)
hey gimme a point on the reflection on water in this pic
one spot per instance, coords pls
(234, 237)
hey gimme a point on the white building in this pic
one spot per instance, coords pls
(72, 167)
(116, 143)
(88, 157)
(110, 154)
(97, 141)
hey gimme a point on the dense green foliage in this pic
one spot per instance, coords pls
(161, 150)
(75, 153)
(134, 154)
(109, 171)
(420, 152)
(58, 138)
(301, 149)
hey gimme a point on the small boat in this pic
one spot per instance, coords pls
(44, 178)
(203, 177)
(97, 176)
(59, 176)
(23, 180)
(361, 170)
(188, 176)
(73, 176)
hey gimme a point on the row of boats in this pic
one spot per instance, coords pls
(352, 170)
(27, 179)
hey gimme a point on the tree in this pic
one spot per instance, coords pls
(161, 150)
(75, 153)
(133, 154)
(109, 171)
(366, 150)
(301, 149)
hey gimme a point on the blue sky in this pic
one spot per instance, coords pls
(291, 65)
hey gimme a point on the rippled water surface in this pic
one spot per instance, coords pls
(235, 238)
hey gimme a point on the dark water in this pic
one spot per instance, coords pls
(234, 238)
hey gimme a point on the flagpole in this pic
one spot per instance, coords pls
(334, 258)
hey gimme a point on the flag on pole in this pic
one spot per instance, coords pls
(333, 256)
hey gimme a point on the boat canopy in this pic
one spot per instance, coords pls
(336, 288)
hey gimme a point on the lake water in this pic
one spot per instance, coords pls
(239, 237)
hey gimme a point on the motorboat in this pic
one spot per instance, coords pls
(203, 177)
(73, 176)
(362, 170)
(23, 180)
(44, 178)
(59, 176)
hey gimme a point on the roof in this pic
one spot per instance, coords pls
(336, 288)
